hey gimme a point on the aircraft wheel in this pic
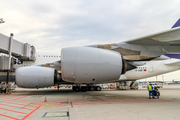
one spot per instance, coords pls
(92, 88)
(98, 88)
(83, 89)
(76, 89)
(73, 88)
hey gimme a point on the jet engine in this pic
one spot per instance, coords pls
(91, 65)
(35, 77)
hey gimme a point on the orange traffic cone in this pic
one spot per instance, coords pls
(45, 99)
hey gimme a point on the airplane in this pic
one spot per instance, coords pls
(129, 60)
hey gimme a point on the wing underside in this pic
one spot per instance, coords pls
(148, 47)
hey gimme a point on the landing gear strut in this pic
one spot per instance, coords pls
(88, 87)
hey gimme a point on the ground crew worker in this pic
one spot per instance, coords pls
(150, 89)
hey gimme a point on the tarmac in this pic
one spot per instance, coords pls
(65, 104)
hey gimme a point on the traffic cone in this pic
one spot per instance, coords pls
(45, 99)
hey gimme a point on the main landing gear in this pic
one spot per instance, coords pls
(88, 87)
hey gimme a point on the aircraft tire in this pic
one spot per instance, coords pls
(73, 88)
(92, 88)
(83, 89)
(76, 89)
(98, 88)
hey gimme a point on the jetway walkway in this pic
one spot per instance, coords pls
(22, 51)
(12, 47)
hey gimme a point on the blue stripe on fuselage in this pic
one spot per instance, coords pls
(177, 56)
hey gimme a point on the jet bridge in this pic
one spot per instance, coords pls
(20, 50)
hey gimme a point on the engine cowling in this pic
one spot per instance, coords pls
(35, 77)
(90, 65)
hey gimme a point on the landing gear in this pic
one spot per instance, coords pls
(98, 88)
(83, 88)
(76, 88)
(88, 87)
(92, 88)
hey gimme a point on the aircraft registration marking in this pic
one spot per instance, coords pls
(141, 69)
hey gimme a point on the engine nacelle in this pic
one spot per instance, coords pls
(35, 77)
(90, 65)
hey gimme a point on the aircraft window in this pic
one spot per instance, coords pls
(38, 55)
(54, 56)
(51, 56)
(57, 56)
(46, 56)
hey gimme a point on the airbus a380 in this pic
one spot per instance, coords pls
(129, 60)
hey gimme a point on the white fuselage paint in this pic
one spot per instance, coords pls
(150, 69)
(41, 58)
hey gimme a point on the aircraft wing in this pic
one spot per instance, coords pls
(170, 37)
(55, 65)
(148, 47)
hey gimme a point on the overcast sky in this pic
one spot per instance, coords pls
(50, 25)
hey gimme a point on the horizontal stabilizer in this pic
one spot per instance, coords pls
(177, 24)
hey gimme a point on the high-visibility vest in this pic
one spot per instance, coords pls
(150, 88)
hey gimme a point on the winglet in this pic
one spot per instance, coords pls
(177, 24)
